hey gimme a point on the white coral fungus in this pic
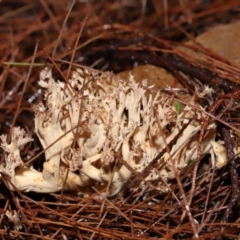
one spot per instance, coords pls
(98, 130)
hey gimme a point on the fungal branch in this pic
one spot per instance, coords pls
(112, 116)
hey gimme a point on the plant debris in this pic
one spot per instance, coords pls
(120, 36)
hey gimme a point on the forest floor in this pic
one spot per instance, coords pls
(119, 36)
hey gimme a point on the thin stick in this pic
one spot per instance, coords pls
(61, 32)
(25, 86)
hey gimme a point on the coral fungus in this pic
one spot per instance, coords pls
(97, 130)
